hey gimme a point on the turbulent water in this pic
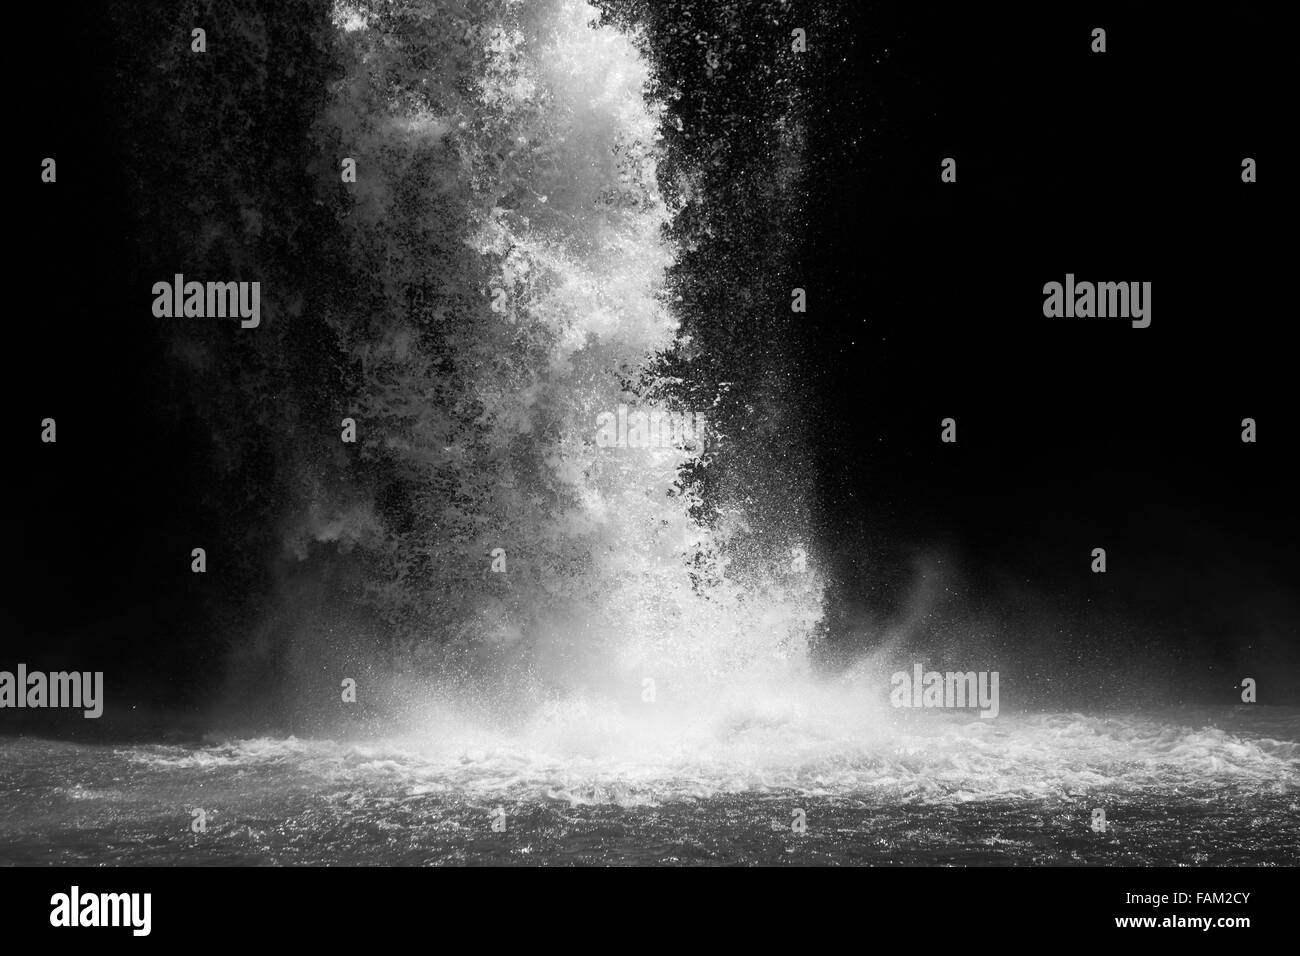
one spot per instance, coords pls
(509, 210)
(588, 784)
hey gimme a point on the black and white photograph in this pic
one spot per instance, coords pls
(619, 434)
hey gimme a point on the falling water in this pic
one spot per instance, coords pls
(622, 704)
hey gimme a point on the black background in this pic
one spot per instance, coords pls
(1072, 434)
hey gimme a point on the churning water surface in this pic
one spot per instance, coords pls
(588, 783)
